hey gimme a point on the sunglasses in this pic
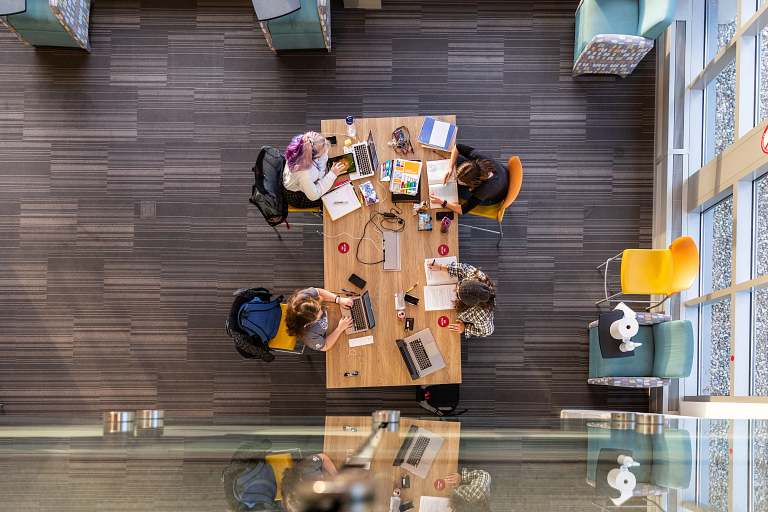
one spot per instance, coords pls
(353, 374)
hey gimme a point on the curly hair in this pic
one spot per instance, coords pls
(489, 305)
(303, 149)
(288, 485)
(301, 312)
(473, 172)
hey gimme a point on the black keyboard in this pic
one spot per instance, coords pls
(420, 354)
(358, 315)
(418, 450)
(404, 353)
(364, 164)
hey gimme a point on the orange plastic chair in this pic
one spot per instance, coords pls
(655, 272)
(279, 462)
(283, 342)
(496, 211)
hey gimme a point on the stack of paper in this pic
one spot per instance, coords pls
(405, 177)
(440, 289)
(437, 134)
(436, 171)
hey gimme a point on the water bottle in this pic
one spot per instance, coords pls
(351, 130)
(445, 224)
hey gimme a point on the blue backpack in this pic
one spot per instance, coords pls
(260, 318)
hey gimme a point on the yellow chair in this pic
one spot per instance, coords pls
(291, 209)
(496, 211)
(279, 462)
(655, 272)
(283, 342)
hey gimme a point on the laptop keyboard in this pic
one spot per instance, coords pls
(418, 450)
(358, 316)
(421, 355)
(405, 358)
(364, 164)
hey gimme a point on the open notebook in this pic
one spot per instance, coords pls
(436, 171)
(340, 201)
(440, 288)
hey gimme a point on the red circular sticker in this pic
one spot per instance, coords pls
(442, 321)
(343, 247)
(733, 357)
(764, 140)
(439, 484)
(442, 250)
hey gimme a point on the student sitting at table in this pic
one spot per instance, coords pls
(311, 469)
(475, 299)
(307, 320)
(305, 177)
(481, 180)
(471, 490)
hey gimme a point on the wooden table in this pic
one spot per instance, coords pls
(338, 441)
(380, 363)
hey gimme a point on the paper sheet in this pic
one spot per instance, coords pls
(434, 504)
(341, 201)
(439, 277)
(438, 298)
(439, 133)
(449, 192)
(436, 171)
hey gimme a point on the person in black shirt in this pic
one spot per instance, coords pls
(481, 179)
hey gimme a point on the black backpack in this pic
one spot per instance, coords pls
(267, 191)
(441, 399)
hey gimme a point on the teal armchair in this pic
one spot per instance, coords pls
(612, 36)
(307, 28)
(665, 458)
(666, 353)
(52, 23)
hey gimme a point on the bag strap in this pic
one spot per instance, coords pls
(259, 162)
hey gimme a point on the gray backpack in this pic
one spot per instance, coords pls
(267, 191)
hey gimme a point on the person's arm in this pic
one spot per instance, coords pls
(469, 204)
(345, 323)
(327, 296)
(467, 152)
(314, 189)
(477, 322)
(328, 464)
(454, 207)
(461, 270)
(452, 164)
(475, 485)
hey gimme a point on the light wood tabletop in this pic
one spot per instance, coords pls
(339, 444)
(380, 364)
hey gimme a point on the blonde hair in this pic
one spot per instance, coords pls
(303, 149)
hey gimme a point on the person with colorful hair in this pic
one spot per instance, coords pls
(305, 177)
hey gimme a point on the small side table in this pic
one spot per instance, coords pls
(8, 7)
(609, 346)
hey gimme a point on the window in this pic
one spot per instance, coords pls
(717, 240)
(721, 25)
(715, 353)
(724, 105)
(761, 226)
(759, 476)
(760, 343)
(762, 73)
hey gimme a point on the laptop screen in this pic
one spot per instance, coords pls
(372, 147)
(369, 309)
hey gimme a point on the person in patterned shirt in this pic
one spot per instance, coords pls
(475, 299)
(471, 490)
(307, 320)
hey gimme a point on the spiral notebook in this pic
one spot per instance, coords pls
(340, 201)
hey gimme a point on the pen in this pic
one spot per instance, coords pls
(340, 202)
(349, 291)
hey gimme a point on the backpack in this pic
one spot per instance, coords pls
(267, 191)
(258, 485)
(441, 399)
(261, 318)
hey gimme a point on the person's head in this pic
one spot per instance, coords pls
(475, 292)
(473, 172)
(303, 149)
(301, 311)
(460, 504)
(288, 486)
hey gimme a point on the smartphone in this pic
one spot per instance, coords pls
(410, 299)
(440, 215)
(331, 139)
(408, 505)
(357, 281)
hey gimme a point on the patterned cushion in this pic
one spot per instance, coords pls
(642, 319)
(74, 16)
(614, 54)
(630, 382)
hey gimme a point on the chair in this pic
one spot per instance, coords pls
(291, 209)
(613, 36)
(52, 23)
(283, 342)
(666, 353)
(655, 272)
(306, 28)
(280, 461)
(496, 211)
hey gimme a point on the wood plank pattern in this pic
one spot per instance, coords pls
(380, 363)
(103, 309)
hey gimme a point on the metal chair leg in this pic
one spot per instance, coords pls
(605, 278)
(657, 304)
(501, 235)
(608, 299)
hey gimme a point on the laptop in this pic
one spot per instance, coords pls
(421, 354)
(366, 159)
(391, 250)
(419, 451)
(361, 313)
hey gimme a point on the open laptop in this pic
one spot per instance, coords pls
(421, 354)
(419, 451)
(366, 159)
(361, 313)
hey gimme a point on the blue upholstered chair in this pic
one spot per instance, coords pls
(307, 28)
(666, 353)
(52, 23)
(665, 458)
(612, 36)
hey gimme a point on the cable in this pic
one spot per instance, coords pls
(379, 226)
(356, 238)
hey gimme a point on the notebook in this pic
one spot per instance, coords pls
(405, 177)
(340, 201)
(434, 504)
(437, 134)
(440, 288)
(436, 171)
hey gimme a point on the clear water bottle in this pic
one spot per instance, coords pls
(351, 130)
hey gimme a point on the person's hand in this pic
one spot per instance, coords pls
(454, 479)
(457, 327)
(345, 303)
(345, 323)
(434, 265)
(337, 168)
(435, 199)
(445, 178)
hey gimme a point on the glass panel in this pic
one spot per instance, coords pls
(680, 86)
(725, 104)
(717, 239)
(759, 441)
(716, 348)
(761, 226)
(721, 25)
(760, 345)
(719, 434)
(762, 69)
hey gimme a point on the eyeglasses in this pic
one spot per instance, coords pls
(353, 374)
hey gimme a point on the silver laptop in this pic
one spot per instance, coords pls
(421, 354)
(361, 313)
(366, 159)
(419, 451)
(391, 250)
